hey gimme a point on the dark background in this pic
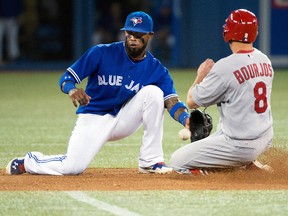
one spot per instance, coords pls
(186, 31)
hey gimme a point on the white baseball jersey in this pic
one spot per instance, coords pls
(240, 85)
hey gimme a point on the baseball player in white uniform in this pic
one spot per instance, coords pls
(127, 88)
(240, 85)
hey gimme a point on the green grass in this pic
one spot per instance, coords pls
(152, 203)
(36, 116)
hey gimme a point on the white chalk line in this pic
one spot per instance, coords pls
(116, 210)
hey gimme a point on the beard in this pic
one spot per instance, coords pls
(134, 52)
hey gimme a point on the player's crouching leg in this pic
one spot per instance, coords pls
(37, 163)
(151, 150)
(178, 163)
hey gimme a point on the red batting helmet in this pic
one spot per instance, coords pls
(241, 25)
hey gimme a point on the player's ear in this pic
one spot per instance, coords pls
(151, 34)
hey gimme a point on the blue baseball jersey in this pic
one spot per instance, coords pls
(113, 78)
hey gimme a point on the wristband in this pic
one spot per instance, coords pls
(65, 82)
(176, 107)
(68, 86)
(182, 118)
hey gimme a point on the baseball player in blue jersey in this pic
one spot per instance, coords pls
(127, 87)
(240, 85)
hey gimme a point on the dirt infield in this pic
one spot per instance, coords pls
(129, 179)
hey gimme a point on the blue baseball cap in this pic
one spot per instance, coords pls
(138, 22)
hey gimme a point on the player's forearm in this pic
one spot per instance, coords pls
(190, 102)
(202, 72)
(177, 109)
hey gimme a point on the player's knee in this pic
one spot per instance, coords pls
(73, 168)
(172, 160)
(175, 161)
(154, 93)
(155, 90)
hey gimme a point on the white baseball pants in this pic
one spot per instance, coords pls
(92, 131)
(219, 151)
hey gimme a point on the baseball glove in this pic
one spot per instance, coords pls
(200, 125)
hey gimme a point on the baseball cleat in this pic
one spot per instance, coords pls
(266, 168)
(15, 167)
(194, 172)
(159, 168)
(199, 172)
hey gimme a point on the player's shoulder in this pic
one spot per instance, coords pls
(230, 60)
(223, 65)
(154, 62)
(105, 49)
(223, 62)
(115, 45)
(255, 50)
(261, 55)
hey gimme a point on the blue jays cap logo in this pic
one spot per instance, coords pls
(136, 20)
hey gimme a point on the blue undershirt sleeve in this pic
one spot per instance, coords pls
(67, 82)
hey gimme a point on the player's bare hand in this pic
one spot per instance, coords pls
(78, 95)
(205, 68)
